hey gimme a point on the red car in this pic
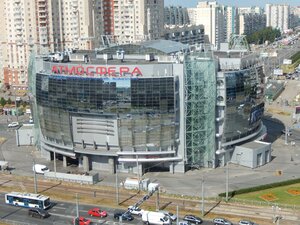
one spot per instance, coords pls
(97, 212)
(83, 221)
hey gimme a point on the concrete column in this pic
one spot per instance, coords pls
(171, 167)
(65, 161)
(80, 162)
(85, 163)
(111, 165)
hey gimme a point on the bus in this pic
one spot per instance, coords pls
(28, 200)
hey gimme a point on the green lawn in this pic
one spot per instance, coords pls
(280, 195)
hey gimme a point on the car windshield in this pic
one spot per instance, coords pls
(46, 168)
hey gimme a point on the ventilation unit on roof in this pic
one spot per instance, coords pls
(149, 57)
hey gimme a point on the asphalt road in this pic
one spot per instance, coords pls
(62, 214)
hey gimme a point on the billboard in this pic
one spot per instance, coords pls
(256, 113)
(278, 72)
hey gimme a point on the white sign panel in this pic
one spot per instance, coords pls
(287, 61)
(278, 72)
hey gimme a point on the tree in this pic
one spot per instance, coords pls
(2, 102)
(261, 36)
(8, 101)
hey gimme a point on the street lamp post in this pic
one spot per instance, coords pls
(34, 177)
(202, 196)
(54, 156)
(227, 182)
(117, 185)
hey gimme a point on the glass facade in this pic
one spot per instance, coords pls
(144, 107)
(200, 90)
(244, 102)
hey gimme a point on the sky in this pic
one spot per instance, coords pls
(242, 3)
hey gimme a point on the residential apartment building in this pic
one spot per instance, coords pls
(252, 9)
(176, 15)
(18, 34)
(43, 26)
(295, 16)
(138, 20)
(186, 34)
(211, 15)
(231, 21)
(251, 22)
(278, 16)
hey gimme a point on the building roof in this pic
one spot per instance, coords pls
(159, 47)
(254, 144)
(166, 46)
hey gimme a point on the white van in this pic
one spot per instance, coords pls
(41, 169)
(155, 218)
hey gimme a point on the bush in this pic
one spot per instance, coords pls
(260, 188)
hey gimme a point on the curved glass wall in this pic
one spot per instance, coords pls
(144, 107)
(244, 102)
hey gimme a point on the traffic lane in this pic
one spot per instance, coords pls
(62, 213)
(64, 208)
(19, 214)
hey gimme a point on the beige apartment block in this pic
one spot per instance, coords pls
(44, 26)
(211, 16)
(278, 16)
(138, 20)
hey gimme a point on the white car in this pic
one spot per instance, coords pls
(172, 216)
(184, 223)
(13, 124)
(246, 222)
(135, 210)
(41, 169)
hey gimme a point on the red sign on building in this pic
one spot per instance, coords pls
(111, 71)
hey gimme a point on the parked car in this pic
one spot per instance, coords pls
(193, 219)
(97, 212)
(246, 222)
(221, 221)
(135, 210)
(39, 168)
(172, 216)
(184, 223)
(38, 213)
(125, 216)
(82, 221)
(13, 124)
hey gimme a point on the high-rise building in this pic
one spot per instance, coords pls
(211, 15)
(231, 18)
(253, 9)
(278, 16)
(137, 20)
(44, 26)
(176, 15)
(18, 33)
(251, 22)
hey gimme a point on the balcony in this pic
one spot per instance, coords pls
(19, 32)
(17, 14)
(42, 15)
(19, 43)
(18, 26)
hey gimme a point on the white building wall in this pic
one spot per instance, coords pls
(278, 16)
(211, 15)
(138, 20)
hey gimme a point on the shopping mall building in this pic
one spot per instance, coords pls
(157, 105)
